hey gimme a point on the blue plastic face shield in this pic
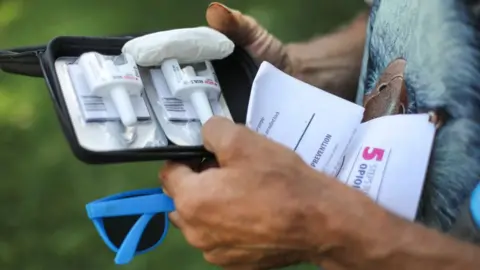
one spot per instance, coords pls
(131, 223)
(475, 206)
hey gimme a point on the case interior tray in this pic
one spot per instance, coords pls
(235, 74)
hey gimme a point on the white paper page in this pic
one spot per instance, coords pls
(314, 123)
(101, 109)
(388, 158)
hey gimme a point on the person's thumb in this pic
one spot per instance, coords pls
(247, 33)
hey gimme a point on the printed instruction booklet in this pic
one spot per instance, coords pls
(375, 157)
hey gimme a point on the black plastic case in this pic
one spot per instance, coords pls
(235, 73)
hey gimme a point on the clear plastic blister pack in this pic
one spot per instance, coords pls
(160, 118)
(167, 84)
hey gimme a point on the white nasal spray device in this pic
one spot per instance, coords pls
(178, 52)
(188, 85)
(118, 82)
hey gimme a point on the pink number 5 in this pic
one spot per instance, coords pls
(373, 153)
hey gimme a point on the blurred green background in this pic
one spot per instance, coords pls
(43, 188)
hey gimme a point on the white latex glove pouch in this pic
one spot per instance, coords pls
(187, 45)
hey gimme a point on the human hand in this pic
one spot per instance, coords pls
(262, 207)
(331, 62)
(246, 32)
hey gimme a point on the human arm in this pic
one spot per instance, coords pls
(263, 207)
(376, 239)
(331, 62)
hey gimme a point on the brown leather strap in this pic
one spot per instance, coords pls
(390, 93)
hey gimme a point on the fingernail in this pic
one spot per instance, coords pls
(220, 5)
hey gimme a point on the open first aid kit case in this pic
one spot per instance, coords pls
(167, 127)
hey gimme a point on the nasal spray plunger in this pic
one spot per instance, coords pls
(105, 79)
(185, 84)
(197, 94)
(178, 52)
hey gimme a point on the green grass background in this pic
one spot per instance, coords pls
(43, 188)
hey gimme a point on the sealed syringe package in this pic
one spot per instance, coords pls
(139, 98)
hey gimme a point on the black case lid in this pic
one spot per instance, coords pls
(235, 73)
